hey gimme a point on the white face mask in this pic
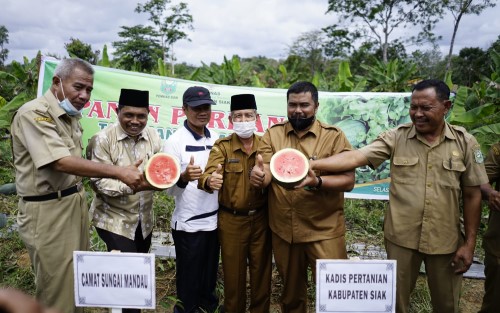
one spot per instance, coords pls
(244, 129)
(66, 105)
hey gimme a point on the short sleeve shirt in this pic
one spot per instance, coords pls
(115, 207)
(236, 193)
(299, 215)
(491, 242)
(426, 184)
(42, 133)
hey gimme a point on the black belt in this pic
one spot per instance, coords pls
(241, 212)
(55, 195)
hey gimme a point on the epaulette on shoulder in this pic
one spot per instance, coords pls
(458, 128)
(329, 126)
(405, 125)
(227, 138)
(461, 130)
(279, 124)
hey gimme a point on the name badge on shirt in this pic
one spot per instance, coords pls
(233, 161)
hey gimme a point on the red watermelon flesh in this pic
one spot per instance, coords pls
(162, 170)
(289, 167)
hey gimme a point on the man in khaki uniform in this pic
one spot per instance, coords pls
(242, 219)
(433, 164)
(491, 240)
(306, 223)
(53, 212)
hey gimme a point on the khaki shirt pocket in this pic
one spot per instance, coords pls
(452, 171)
(233, 168)
(404, 170)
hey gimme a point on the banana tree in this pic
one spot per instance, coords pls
(393, 76)
(478, 108)
(22, 80)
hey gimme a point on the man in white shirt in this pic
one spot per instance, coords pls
(194, 221)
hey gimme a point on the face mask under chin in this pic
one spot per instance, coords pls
(67, 106)
(300, 124)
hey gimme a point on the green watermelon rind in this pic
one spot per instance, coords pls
(293, 181)
(155, 157)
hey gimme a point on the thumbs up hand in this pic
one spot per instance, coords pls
(215, 181)
(258, 174)
(192, 171)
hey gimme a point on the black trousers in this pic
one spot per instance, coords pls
(197, 263)
(117, 242)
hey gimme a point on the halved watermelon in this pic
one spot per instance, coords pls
(289, 167)
(162, 170)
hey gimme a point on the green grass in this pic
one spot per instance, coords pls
(15, 267)
(364, 221)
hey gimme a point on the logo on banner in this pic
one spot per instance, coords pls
(168, 87)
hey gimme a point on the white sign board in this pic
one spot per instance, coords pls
(114, 280)
(355, 286)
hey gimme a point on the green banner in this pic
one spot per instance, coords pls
(362, 116)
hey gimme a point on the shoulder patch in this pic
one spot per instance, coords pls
(44, 119)
(214, 148)
(496, 149)
(478, 155)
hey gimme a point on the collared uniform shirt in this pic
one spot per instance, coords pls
(426, 184)
(299, 215)
(195, 210)
(42, 133)
(491, 241)
(115, 207)
(236, 193)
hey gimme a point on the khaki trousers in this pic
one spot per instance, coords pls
(51, 231)
(491, 299)
(444, 284)
(292, 260)
(245, 242)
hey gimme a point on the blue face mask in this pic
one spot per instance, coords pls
(66, 105)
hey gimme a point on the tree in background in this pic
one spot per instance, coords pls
(458, 9)
(4, 39)
(169, 27)
(76, 48)
(430, 63)
(369, 52)
(309, 46)
(469, 66)
(140, 49)
(376, 20)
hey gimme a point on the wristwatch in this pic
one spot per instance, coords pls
(320, 182)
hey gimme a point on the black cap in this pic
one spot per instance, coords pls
(243, 102)
(134, 98)
(195, 96)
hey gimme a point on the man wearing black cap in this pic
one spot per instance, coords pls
(194, 221)
(243, 226)
(123, 218)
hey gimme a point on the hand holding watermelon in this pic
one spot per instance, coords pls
(130, 175)
(310, 182)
